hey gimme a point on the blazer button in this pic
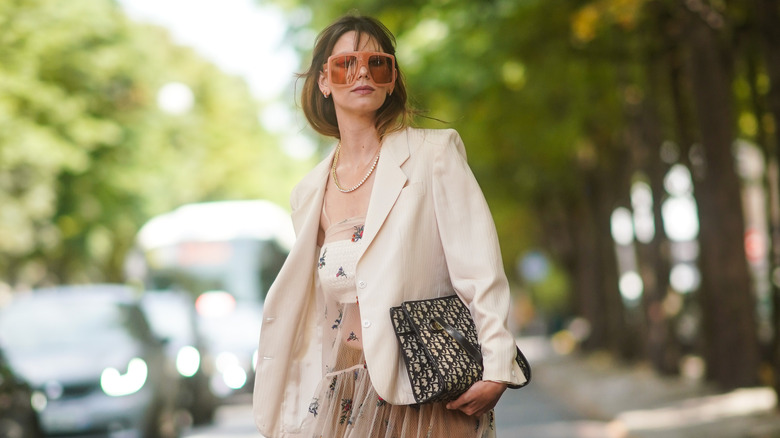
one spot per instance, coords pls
(366, 323)
(362, 284)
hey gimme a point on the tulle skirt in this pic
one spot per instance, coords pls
(347, 406)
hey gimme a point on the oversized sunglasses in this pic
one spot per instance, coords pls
(344, 68)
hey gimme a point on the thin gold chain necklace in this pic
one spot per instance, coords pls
(356, 186)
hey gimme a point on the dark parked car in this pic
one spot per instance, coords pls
(89, 352)
(17, 414)
(231, 330)
(172, 317)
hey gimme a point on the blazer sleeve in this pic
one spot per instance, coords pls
(473, 257)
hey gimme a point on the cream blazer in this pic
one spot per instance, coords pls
(428, 233)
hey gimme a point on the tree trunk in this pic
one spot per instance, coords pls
(662, 348)
(730, 343)
(587, 266)
(768, 18)
(612, 188)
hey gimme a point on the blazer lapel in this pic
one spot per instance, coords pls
(306, 217)
(390, 179)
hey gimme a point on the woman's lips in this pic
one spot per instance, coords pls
(363, 90)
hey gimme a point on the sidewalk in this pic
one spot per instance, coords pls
(638, 403)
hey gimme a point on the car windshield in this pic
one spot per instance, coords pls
(43, 324)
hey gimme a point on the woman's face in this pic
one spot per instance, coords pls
(364, 95)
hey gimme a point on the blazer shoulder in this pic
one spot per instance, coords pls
(435, 141)
(311, 181)
(432, 136)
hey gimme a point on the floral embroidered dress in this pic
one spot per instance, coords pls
(346, 404)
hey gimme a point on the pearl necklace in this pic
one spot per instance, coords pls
(356, 186)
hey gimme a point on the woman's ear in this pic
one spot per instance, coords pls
(323, 83)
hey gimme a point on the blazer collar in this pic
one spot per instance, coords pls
(312, 189)
(388, 182)
(390, 179)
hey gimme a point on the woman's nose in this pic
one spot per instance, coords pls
(363, 72)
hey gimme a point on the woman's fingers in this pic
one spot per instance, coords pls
(479, 399)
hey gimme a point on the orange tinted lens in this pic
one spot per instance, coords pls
(342, 69)
(381, 68)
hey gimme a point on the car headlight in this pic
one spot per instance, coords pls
(188, 361)
(38, 401)
(233, 373)
(116, 385)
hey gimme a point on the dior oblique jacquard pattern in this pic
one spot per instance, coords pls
(439, 369)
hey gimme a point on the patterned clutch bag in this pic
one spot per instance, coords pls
(439, 345)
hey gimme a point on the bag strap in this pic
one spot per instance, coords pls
(472, 351)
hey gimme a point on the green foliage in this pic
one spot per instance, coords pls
(86, 154)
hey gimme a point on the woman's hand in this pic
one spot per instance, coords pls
(479, 399)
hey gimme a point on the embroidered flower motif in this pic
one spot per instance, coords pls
(380, 402)
(346, 409)
(322, 259)
(341, 272)
(359, 414)
(352, 337)
(314, 407)
(332, 387)
(337, 322)
(358, 234)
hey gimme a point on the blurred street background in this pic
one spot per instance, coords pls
(628, 150)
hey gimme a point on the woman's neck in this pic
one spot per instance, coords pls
(359, 144)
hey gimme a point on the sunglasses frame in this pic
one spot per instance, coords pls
(362, 60)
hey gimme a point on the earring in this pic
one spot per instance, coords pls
(326, 94)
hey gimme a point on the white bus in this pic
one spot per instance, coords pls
(226, 254)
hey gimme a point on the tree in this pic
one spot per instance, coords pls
(727, 299)
(86, 153)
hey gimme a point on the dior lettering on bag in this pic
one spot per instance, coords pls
(440, 347)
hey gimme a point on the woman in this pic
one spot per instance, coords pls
(392, 214)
